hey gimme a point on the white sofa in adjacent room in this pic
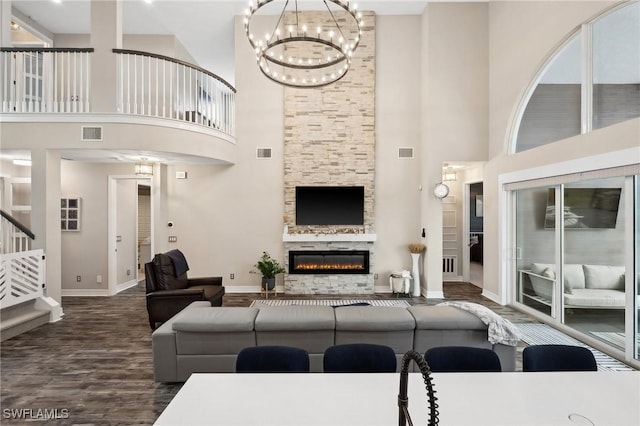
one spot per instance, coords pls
(585, 285)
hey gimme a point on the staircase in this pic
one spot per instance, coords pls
(20, 319)
(23, 304)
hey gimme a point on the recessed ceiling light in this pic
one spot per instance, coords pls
(57, 1)
(148, 1)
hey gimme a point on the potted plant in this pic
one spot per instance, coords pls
(269, 268)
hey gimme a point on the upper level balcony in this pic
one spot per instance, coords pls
(172, 99)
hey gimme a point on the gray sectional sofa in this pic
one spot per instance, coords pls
(204, 339)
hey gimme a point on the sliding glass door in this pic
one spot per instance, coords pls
(594, 240)
(536, 249)
(577, 254)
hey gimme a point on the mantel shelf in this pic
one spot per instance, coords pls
(329, 237)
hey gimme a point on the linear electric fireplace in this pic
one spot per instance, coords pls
(329, 262)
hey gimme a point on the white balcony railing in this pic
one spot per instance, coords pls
(45, 80)
(159, 86)
(57, 80)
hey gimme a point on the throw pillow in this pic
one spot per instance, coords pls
(603, 277)
(573, 277)
(548, 272)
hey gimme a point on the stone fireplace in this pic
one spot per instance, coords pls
(329, 141)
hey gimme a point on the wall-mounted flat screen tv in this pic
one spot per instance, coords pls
(329, 205)
(585, 208)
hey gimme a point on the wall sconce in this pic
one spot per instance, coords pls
(143, 168)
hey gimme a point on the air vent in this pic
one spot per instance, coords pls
(92, 133)
(405, 152)
(263, 153)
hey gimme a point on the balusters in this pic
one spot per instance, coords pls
(57, 80)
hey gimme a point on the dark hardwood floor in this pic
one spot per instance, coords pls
(95, 368)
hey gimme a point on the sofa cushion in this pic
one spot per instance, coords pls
(216, 319)
(593, 297)
(292, 318)
(445, 318)
(604, 277)
(373, 318)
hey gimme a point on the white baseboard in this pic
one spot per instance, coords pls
(452, 278)
(123, 286)
(84, 292)
(492, 296)
(246, 289)
(433, 294)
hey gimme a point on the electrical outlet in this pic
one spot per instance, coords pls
(78, 278)
(128, 272)
(375, 276)
(99, 279)
(173, 239)
(232, 276)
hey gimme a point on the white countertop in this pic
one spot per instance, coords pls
(605, 398)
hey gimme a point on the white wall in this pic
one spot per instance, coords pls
(85, 253)
(397, 180)
(518, 48)
(225, 216)
(455, 112)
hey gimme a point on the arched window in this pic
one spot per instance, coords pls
(591, 81)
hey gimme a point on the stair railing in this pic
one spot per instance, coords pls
(22, 270)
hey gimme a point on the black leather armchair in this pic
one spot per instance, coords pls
(169, 290)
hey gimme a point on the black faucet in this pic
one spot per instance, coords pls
(403, 399)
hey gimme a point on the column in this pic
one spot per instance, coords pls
(5, 19)
(45, 216)
(430, 175)
(106, 35)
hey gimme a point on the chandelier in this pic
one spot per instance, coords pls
(449, 174)
(143, 168)
(303, 50)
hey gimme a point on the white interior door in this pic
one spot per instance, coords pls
(123, 230)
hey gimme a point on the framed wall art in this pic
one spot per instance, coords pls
(70, 214)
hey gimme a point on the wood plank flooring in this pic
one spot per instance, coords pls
(96, 363)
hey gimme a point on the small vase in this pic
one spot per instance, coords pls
(268, 283)
(415, 272)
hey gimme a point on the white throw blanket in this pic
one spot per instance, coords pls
(500, 330)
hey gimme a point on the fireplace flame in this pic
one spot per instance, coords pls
(321, 266)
